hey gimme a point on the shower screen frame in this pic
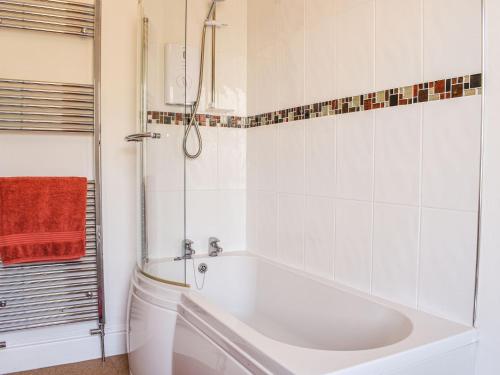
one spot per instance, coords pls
(148, 266)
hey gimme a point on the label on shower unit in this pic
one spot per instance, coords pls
(182, 67)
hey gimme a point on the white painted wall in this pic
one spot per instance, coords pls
(384, 201)
(488, 322)
(55, 58)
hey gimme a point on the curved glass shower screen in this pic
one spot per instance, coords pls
(162, 107)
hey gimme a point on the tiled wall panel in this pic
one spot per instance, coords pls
(384, 201)
(215, 183)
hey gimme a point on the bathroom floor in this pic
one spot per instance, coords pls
(117, 365)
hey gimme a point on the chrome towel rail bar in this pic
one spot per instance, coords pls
(42, 14)
(59, 6)
(66, 107)
(43, 83)
(48, 106)
(61, 17)
(31, 113)
(48, 324)
(46, 91)
(48, 98)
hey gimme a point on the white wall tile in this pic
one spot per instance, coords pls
(447, 266)
(201, 217)
(398, 155)
(266, 25)
(452, 38)
(355, 156)
(165, 223)
(252, 221)
(267, 224)
(253, 48)
(252, 158)
(353, 238)
(291, 209)
(165, 158)
(267, 80)
(320, 156)
(395, 253)
(319, 51)
(267, 138)
(201, 173)
(354, 39)
(398, 52)
(319, 239)
(290, 53)
(232, 66)
(451, 151)
(291, 158)
(231, 219)
(232, 158)
(267, 60)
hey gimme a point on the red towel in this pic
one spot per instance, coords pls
(42, 219)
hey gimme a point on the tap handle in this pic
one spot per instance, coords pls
(213, 241)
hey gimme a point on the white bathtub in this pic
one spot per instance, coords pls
(255, 316)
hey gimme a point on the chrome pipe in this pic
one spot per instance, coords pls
(46, 106)
(48, 287)
(45, 316)
(47, 91)
(74, 3)
(49, 7)
(55, 114)
(28, 121)
(48, 98)
(10, 306)
(45, 129)
(13, 306)
(87, 292)
(45, 29)
(98, 173)
(49, 280)
(6, 314)
(143, 146)
(49, 324)
(48, 15)
(43, 83)
(214, 31)
(45, 22)
(51, 272)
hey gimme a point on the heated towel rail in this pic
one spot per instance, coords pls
(50, 294)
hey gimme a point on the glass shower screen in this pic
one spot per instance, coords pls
(162, 107)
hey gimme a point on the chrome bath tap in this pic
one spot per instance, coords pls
(188, 250)
(213, 247)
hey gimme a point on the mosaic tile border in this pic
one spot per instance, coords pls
(175, 118)
(443, 89)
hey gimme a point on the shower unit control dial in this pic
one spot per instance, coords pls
(182, 67)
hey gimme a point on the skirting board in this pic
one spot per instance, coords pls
(58, 352)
